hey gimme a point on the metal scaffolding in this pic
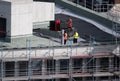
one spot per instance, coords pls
(65, 65)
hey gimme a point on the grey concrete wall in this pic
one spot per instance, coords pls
(5, 12)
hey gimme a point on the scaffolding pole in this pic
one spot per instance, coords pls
(29, 59)
(70, 64)
(1, 64)
(1, 69)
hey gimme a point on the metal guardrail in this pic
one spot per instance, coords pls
(114, 13)
(63, 70)
(57, 51)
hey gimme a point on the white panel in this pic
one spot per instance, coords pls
(43, 11)
(21, 19)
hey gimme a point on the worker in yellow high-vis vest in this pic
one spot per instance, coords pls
(75, 37)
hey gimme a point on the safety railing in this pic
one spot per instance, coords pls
(107, 8)
(56, 52)
(63, 70)
(103, 7)
(115, 12)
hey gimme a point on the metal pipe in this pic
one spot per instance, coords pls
(62, 39)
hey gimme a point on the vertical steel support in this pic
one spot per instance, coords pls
(93, 70)
(1, 69)
(57, 68)
(97, 64)
(70, 65)
(29, 59)
(70, 69)
(53, 71)
(62, 39)
(84, 66)
(119, 62)
(111, 64)
(44, 67)
(2, 72)
(16, 69)
(116, 33)
(77, 2)
(92, 4)
(85, 3)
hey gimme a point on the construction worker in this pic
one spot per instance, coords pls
(57, 25)
(70, 26)
(69, 20)
(65, 37)
(75, 37)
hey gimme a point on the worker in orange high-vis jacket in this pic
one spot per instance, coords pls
(70, 26)
(65, 37)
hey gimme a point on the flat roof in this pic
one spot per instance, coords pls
(35, 40)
